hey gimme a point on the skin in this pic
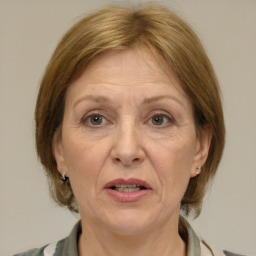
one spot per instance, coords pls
(126, 117)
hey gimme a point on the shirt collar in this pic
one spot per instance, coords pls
(193, 243)
(70, 244)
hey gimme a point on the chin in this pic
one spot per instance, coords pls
(129, 222)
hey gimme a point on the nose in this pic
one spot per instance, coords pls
(128, 147)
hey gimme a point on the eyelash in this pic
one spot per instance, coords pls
(88, 120)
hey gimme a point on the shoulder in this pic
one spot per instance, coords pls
(206, 250)
(196, 245)
(32, 252)
(66, 246)
(53, 249)
(47, 250)
(227, 253)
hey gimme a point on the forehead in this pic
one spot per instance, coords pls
(119, 69)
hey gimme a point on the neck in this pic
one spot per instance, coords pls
(98, 241)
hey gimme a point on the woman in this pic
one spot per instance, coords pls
(130, 130)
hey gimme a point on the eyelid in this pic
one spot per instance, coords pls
(161, 113)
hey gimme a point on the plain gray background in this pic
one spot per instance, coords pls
(29, 32)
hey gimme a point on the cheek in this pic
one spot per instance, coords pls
(84, 160)
(177, 154)
(173, 161)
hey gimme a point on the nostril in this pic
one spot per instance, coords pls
(127, 157)
(117, 160)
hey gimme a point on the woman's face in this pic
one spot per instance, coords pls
(128, 143)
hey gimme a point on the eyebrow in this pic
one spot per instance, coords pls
(151, 100)
(98, 99)
(146, 101)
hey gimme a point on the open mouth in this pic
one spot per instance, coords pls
(127, 188)
(127, 185)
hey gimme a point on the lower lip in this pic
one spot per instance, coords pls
(128, 196)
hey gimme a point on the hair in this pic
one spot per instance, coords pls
(165, 34)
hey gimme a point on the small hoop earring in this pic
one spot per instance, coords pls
(199, 169)
(64, 178)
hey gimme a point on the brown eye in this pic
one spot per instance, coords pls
(160, 120)
(157, 120)
(95, 120)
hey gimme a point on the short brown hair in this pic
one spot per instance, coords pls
(165, 34)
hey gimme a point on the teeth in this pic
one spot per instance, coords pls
(127, 188)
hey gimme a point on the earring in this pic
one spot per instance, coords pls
(64, 178)
(198, 170)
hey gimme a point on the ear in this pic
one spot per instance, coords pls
(202, 148)
(57, 148)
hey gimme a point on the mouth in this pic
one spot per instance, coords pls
(130, 190)
(127, 188)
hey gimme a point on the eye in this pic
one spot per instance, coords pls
(95, 120)
(160, 120)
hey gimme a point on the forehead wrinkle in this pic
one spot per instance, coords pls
(119, 74)
(160, 73)
(141, 79)
(159, 65)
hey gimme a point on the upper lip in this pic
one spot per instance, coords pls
(131, 181)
